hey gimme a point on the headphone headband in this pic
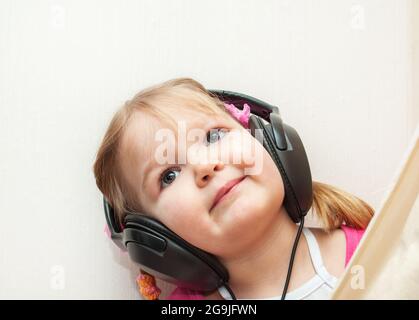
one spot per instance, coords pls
(257, 107)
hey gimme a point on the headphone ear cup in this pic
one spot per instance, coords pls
(161, 252)
(292, 163)
(295, 163)
(277, 129)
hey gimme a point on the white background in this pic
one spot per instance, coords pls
(342, 73)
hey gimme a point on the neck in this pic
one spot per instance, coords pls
(261, 269)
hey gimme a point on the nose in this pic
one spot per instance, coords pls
(205, 172)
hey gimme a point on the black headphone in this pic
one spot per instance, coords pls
(164, 254)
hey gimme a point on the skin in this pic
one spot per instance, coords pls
(249, 231)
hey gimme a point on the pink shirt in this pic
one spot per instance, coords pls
(352, 235)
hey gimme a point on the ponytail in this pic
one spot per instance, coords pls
(334, 207)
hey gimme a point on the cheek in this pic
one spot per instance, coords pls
(181, 215)
(239, 147)
(272, 176)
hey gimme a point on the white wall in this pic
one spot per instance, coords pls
(341, 72)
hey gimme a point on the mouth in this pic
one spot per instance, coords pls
(226, 190)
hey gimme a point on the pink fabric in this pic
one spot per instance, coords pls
(185, 294)
(241, 115)
(107, 231)
(352, 235)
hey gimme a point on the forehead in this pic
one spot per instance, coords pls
(139, 138)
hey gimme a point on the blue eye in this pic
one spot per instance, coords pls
(215, 134)
(168, 176)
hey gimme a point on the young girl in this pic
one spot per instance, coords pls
(248, 230)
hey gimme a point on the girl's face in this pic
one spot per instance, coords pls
(182, 194)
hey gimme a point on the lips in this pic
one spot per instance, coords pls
(226, 189)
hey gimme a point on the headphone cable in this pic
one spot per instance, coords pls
(294, 250)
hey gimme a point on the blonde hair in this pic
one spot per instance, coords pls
(333, 206)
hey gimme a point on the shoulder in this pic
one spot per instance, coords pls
(337, 246)
(332, 246)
